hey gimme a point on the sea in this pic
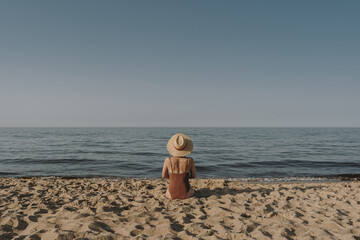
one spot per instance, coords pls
(246, 154)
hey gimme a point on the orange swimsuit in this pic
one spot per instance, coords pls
(179, 183)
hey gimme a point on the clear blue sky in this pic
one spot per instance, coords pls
(180, 63)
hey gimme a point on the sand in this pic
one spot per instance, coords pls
(57, 208)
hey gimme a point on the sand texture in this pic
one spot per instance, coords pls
(57, 208)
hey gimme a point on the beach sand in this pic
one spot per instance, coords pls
(104, 209)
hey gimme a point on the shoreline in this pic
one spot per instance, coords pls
(103, 209)
(312, 179)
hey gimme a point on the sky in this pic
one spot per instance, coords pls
(182, 63)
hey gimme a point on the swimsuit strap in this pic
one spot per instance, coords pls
(187, 164)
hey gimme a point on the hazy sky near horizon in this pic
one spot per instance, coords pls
(180, 63)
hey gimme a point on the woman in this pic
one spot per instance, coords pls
(179, 168)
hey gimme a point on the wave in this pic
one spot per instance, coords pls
(8, 173)
(49, 161)
(292, 163)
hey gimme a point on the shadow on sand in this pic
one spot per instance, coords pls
(207, 192)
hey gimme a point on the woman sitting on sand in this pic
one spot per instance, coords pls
(179, 168)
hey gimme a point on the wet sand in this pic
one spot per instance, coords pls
(104, 209)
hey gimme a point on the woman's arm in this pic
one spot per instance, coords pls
(192, 169)
(165, 171)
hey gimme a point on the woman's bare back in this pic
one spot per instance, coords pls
(179, 165)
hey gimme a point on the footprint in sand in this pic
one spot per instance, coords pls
(22, 225)
(33, 218)
(34, 237)
(267, 234)
(100, 226)
(7, 236)
(115, 209)
(227, 223)
(138, 229)
(188, 218)
(252, 227)
(177, 227)
(41, 211)
(6, 228)
(244, 215)
(298, 214)
(289, 233)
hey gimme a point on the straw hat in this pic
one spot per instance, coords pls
(179, 145)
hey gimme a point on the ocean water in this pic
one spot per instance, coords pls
(240, 153)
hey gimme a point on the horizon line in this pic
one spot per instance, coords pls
(180, 127)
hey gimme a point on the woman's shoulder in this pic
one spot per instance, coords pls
(188, 160)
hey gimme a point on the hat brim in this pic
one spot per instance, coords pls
(183, 152)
